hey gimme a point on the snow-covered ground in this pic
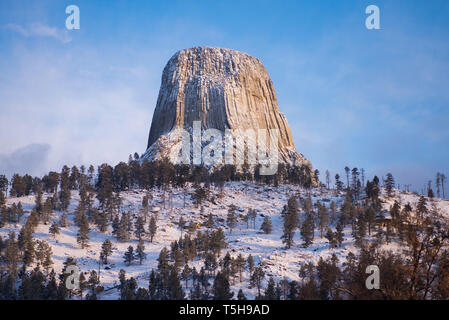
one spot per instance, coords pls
(266, 249)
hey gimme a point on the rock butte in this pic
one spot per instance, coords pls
(222, 88)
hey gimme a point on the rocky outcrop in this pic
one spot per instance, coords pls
(223, 89)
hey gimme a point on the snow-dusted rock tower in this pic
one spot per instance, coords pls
(222, 88)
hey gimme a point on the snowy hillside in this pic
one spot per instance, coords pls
(268, 250)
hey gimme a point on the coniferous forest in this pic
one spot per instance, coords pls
(156, 231)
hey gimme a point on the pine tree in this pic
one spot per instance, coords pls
(239, 263)
(2, 199)
(256, 279)
(11, 255)
(218, 241)
(267, 225)
(152, 285)
(339, 235)
(221, 288)
(330, 236)
(139, 228)
(4, 216)
(82, 238)
(152, 228)
(231, 219)
(106, 250)
(250, 263)
(307, 230)
(443, 181)
(122, 232)
(422, 206)
(140, 252)
(93, 282)
(63, 221)
(181, 224)
(323, 215)
(64, 193)
(186, 272)
(360, 231)
(27, 244)
(129, 255)
(174, 285)
(290, 222)
(54, 229)
(210, 263)
(270, 291)
(347, 176)
(210, 221)
(338, 183)
(389, 184)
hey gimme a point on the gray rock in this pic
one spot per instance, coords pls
(222, 88)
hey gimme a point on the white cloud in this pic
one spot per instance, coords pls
(40, 30)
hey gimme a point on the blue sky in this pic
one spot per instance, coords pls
(373, 99)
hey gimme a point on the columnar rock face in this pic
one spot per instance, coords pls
(222, 88)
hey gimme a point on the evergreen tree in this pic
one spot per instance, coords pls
(140, 252)
(290, 222)
(307, 230)
(82, 237)
(339, 235)
(93, 282)
(267, 225)
(338, 183)
(174, 285)
(139, 228)
(231, 219)
(106, 250)
(422, 207)
(2, 199)
(181, 224)
(129, 255)
(122, 233)
(250, 263)
(64, 193)
(210, 263)
(101, 220)
(221, 288)
(186, 272)
(210, 221)
(256, 279)
(330, 236)
(239, 263)
(54, 229)
(11, 256)
(347, 176)
(270, 291)
(323, 215)
(389, 184)
(63, 222)
(152, 228)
